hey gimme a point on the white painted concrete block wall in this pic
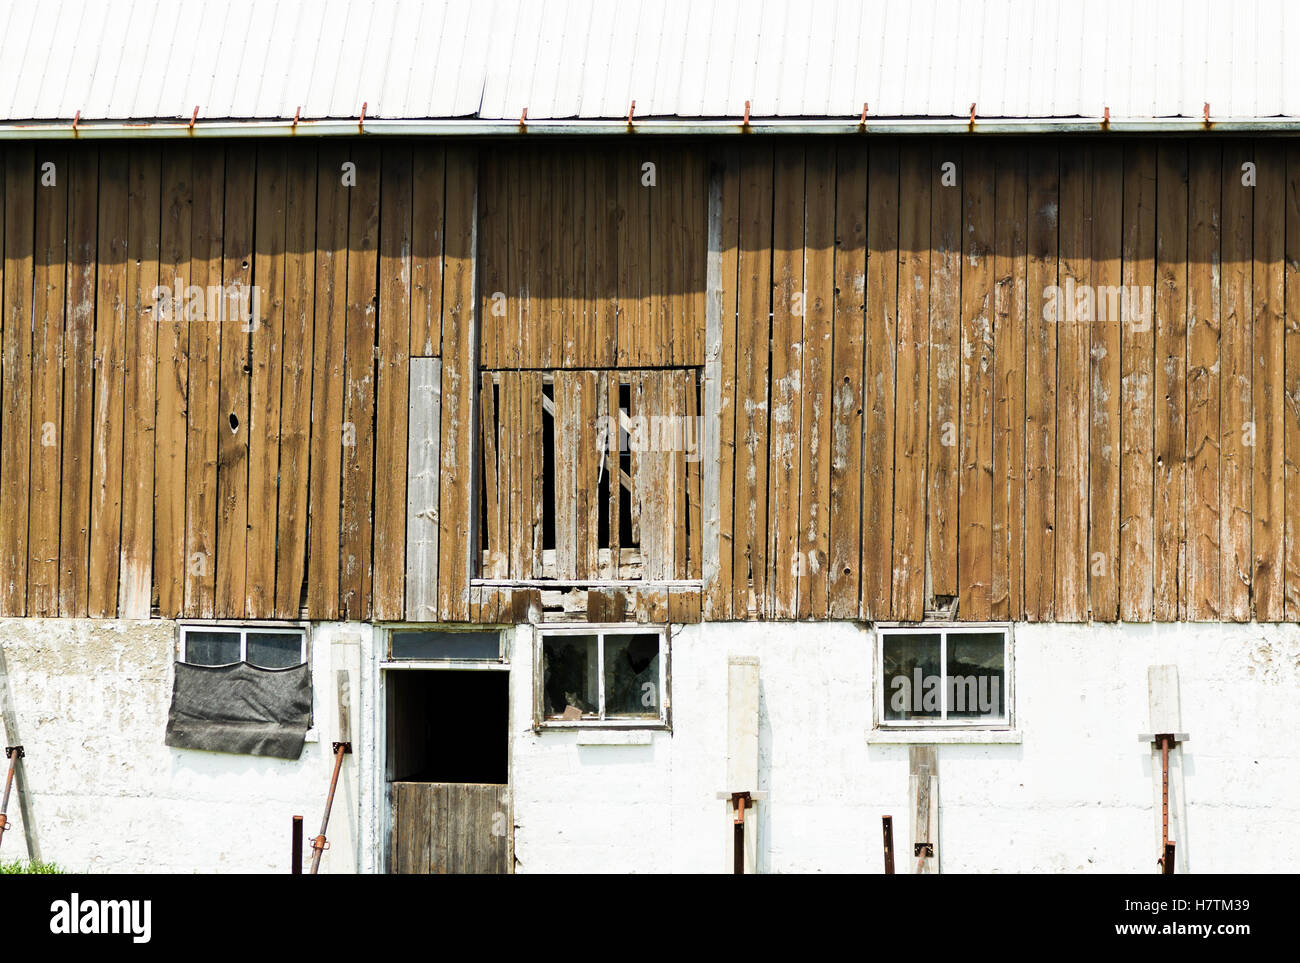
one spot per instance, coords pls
(109, 796)
(1074, 795)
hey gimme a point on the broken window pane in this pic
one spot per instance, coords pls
(976, 676)
(274, 650)
(570, 682)
(211, 647)
(913, 686)
(632, 676)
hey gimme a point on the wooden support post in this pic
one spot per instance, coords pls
(742, 759)
(25, 808)
(923, 797)
(1169, 801)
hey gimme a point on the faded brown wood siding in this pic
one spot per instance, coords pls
(1054, 381)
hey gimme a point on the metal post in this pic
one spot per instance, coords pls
(1167, 860)
(888, 826)
(318, 844)
(13, 753)
(295, 858)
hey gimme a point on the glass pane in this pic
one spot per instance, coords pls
(632, 676)
(570, 686)
(913, 688)
(976, 676)
(446, 645)
(209, 647)
(275, 650)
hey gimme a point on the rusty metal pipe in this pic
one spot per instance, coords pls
(319, 843)
(14, 753)
(887, 825)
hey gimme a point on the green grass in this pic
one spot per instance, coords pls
(22, 867)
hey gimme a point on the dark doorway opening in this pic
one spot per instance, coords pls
(448, 726)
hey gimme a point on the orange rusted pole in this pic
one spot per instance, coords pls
(319, 843)
(14, 753)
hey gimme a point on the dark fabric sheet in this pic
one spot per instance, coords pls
(241, 709)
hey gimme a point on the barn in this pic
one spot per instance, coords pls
(650, 437)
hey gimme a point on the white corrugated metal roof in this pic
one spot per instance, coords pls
(124, 60)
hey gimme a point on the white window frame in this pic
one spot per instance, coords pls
(600, 630)
(183, 630)
(944, 630)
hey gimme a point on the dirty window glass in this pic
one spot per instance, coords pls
(212, 647)
(950, 676)
(274, 650)
(912, 677)
(570, 685)
(976, 676)
(632, 676)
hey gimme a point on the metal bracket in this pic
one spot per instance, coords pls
(923, 849)
(10, 750)
(345, 746)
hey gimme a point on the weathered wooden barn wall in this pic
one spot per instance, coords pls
(899, 428)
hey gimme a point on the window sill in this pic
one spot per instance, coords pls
(617, 737)
(944, 737)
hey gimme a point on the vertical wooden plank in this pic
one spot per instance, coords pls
(496, 478)
(517, 212)
(135, 592)
(1104, 436)
(719, 464)
(609, 410)
(566, 474)
(589, 451)
(324, 507)
(266, 346)
(1268, 492)
(1074, 323)
(1041, 331)
(947, 171)
(1168, 592)
(815, 445)
(754, 293)
(233, 386)
(493, 213)
(912, 383)
(1203, 371)
(846, 383)
(1292, 385)
(691, 454)
(16, 389)
(428, 183)
(110, 361)
(78, 381)
(789, 300)
(48, 300)
(422, 481)
(880, 346)
(296, 401)
(358, 468)
(458, 510)
(202, 412)
(1237, 435)
(976, 373)
(172, 374)
(1010, 318)
(1137, 398)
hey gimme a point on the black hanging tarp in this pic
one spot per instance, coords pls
(240, 708)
